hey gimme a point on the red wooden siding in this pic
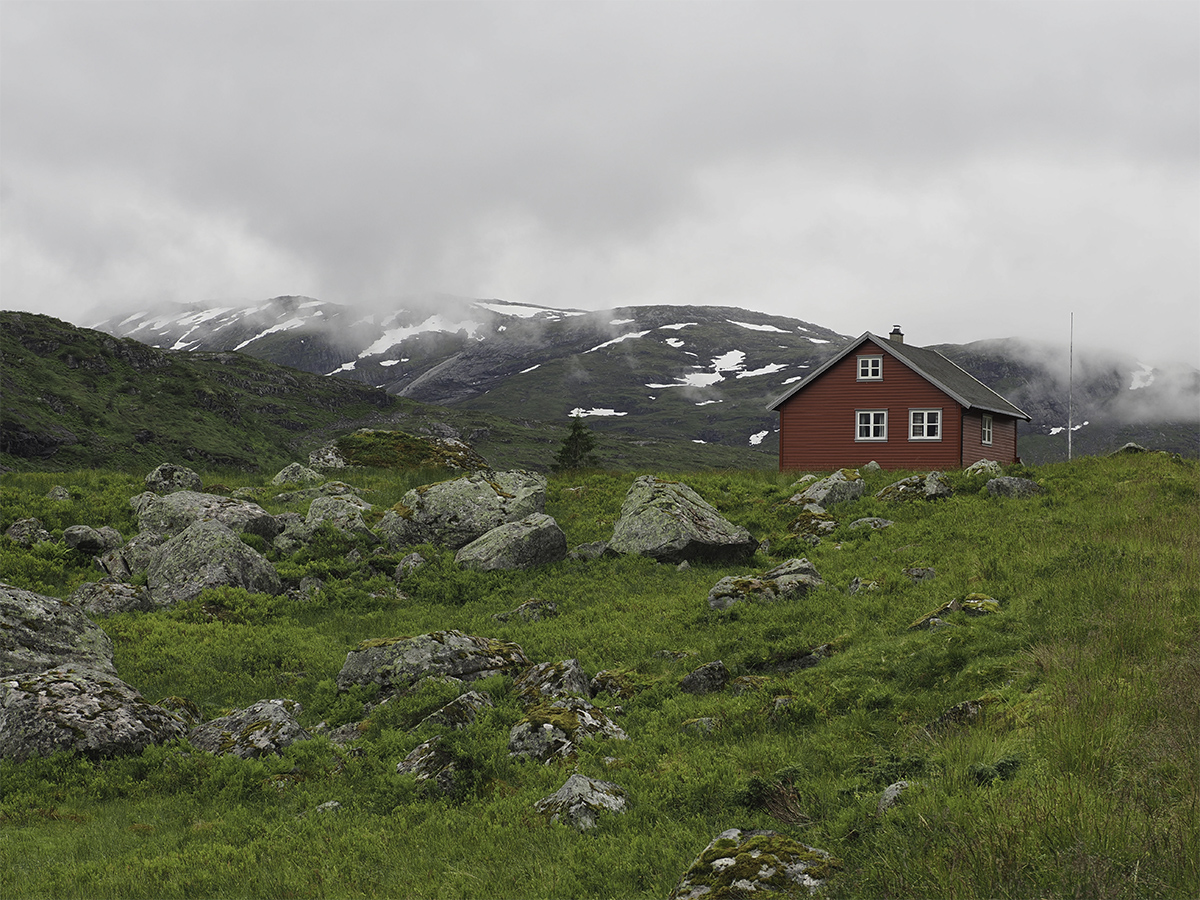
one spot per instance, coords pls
(817, 425)
(1003, 448)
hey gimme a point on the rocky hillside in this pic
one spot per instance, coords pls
(660, 373)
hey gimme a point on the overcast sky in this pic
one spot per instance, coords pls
(967, 170)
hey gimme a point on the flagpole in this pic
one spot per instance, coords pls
(1070, 386)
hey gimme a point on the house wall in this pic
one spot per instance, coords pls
(817, 424)
(1003, 448)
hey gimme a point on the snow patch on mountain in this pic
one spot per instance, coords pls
(679, 325)
(394, 336)
(617, 340)
(757, 438)
(754, 327)
(674, 342)
(769, 369)
(1142, 378)
(580, 412)
(285, 326)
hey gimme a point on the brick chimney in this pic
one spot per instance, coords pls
(897, 335)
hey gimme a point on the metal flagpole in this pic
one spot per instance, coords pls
(1070, 386)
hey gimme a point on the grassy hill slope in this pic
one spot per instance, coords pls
(1080, 775)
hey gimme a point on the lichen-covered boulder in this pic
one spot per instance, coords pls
(875, 523)
(971, 604)
(296, 473)
(670, 522)
(454, 513)
(169, 477)
(533, 541)
(396, 664)
(707, 679)
(108, 597)
(1008, 486)
(172, 513)
(740, 864)
(38, 633)
(262, 728)
(207, 555)
(86, 539)
(553, 730)
(460, 712)
(842, 486)
(27, 532)
(133, 557)
(793, 578)
(532, 610)
(342, 513)
(432, 763)
(581, 800)
(933, 486)
(551, 681)
(988, 467)
(84, 710)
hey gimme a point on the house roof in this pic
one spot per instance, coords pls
(964, 387)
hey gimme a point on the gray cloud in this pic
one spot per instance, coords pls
(970, 170)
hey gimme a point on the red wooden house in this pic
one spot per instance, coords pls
(904, 407)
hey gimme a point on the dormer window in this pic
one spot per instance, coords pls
(870, 368)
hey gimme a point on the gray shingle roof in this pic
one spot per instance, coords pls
(930, 365)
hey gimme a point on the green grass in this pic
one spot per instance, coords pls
(1080, 777)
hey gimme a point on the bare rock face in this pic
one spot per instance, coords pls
(169, 477)
(755, 864)
(533, 541)
(207, 555)
(793, 578)
(262, 728)
(669, 522)
(38, 633)
(396, 664)
(91, 712)
(581, 800)
(171, 514)
(454, 513)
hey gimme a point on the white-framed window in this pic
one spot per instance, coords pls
(925, 424)
(870, 368)
(872, 425)
(985, 430)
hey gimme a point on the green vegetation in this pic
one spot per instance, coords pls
(576, 450)
(1080, 775)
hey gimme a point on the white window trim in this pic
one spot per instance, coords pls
(986, 425)
(925, 424)
(858, 413)
(878, 358)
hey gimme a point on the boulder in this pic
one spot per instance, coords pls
(27, 532)
(812, 524)
(842, 486)
(1008, 486)
(454, 513)
(919, 574)
(872, 466)
(171, 514)
(86, 539)
(295, 473)
(581, 800)
(1129, 447)
(669, 522)
(553, 730)
(933, 486)
(461, 711)
(552, 681)
(708, 679)
(533, 541)
(988, 467)
(739, 864)
(591, 550)
(792, 578)
(207, 555)
(431, 762)
(972, 604)
(58, 492)
(343, 514)
(81, 710)
(133, 557)
(396, 664)
(38, 633)
(890, 797)
(873, 522)
(407, 565)
(532, 610)
(168, 478)
(109, 597)
(265, 727)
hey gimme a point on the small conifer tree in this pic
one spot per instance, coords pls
(576, 449)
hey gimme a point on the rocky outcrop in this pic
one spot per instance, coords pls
(431, 762)
(27, 532)
(707, 679)
(171, 514)
(454, 513)
(38, 633)
(460, 712)
(86, 539)
(1008, 486)
(82, 710)
(169, 477)
(343, 513)
(133, 557)
(933, 486)
(875, 523)
(532, 610)
(533, 541)
(207, 555)
(551, 681)
(109, 597)
(396, 664)
(793, 578)
(295, 473)
(580, 802)
(988, 467)
(263, 728)
(669, 522)
(842, 486)
(553, 730)
(741, 864)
